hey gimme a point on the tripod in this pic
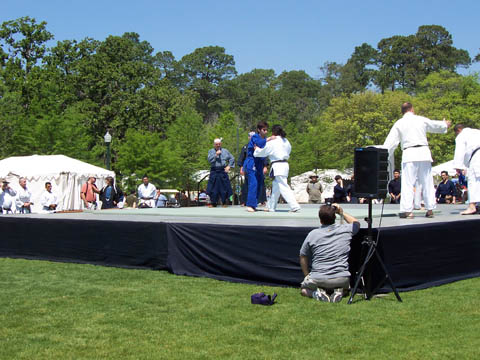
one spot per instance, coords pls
(372, 249)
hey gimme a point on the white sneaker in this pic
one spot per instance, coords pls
(321, 295)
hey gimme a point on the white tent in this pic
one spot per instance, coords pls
(67, 176)
(447, 166)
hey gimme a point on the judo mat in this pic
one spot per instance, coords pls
(233, 244)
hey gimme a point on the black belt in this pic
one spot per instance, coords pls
(473, 153)
(217, 168)
(414, 146)
(277, 161)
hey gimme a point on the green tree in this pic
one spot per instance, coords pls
(205, 69)
(185, 150)
(250, 96)
(353, 121)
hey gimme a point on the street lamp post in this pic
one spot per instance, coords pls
(108, 140)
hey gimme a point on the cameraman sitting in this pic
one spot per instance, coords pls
(327, 249)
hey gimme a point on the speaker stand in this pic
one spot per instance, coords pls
(372, 249)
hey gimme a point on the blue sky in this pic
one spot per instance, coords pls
(281, 35)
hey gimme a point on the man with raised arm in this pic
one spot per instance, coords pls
(411, 133)
(327, 249)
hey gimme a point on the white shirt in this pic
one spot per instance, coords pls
(276, 149)
(48, 199)
(7, 197)
(465, 143)
(23, 196)
(411, 130)
(148, 191)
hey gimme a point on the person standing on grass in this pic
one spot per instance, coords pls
(327, 249)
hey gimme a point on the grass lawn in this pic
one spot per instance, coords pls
(71, 311)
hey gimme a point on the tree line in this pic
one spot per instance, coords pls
(164, 113)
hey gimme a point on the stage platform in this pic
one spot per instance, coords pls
(233, 244)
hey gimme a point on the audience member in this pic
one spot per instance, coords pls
(327, 249)
(395, 187)
(314, 190)
(7, 197)
(48, 200)
(23, 201)
(131, 199)
(87, 193)
(339, 192)
(146, 194)
(202, 197)
(160, 200)
(446, 192)
(110, 195)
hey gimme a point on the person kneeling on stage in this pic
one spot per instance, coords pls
(327, 249)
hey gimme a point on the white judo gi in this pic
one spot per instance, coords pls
(411, 132)
(467, 141)
(147, 194)
(278, 151)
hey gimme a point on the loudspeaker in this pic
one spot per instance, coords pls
(370, 172)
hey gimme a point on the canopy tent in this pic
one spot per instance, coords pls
(66, 174)
(446, 166)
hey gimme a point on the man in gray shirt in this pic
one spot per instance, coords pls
(327, 249)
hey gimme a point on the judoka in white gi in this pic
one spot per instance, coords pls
(411, 132)
(146, 193)
(467, 155)
(278, 150)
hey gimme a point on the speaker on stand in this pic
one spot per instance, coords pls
(371, 182)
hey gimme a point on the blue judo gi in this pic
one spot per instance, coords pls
(253, 168)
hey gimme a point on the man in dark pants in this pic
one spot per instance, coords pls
(241, 159)
(446, 191)
(395, 187)
(221, 160)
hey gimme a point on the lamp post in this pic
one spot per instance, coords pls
(108, 140)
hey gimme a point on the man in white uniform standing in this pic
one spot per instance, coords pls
(278, 150)
(467, 155)
(411, 133)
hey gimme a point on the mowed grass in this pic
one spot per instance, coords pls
(72, 311)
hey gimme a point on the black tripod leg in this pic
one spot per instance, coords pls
(387, 278)
(360, 274)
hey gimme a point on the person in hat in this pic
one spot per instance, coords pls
(7, 197)
(87, 193)
(314, 190)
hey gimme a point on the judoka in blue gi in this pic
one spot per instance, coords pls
(221, 160)
(254, 166)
